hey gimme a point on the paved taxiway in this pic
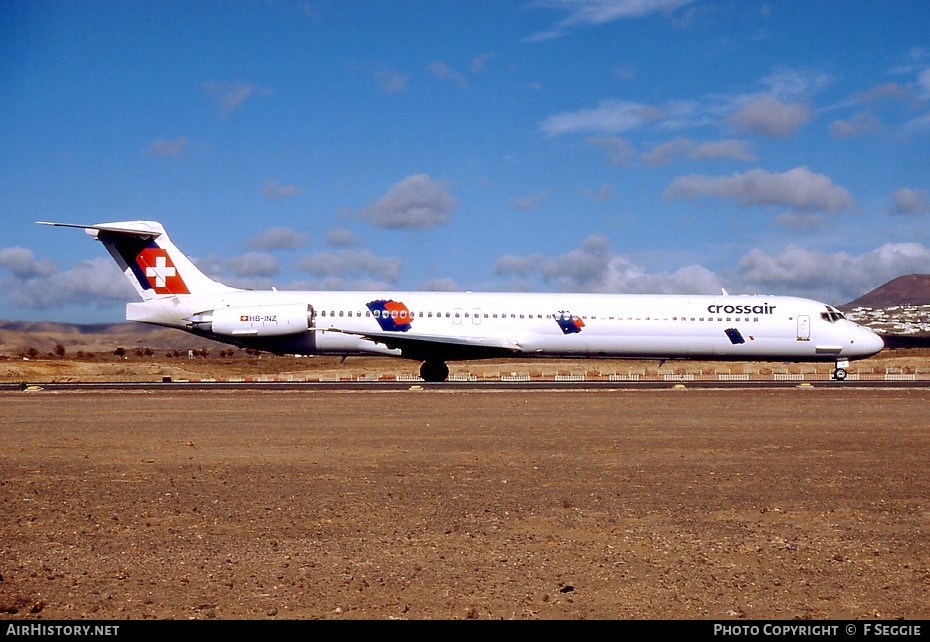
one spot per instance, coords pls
(375, 386)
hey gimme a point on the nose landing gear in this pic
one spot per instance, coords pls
(839, 374)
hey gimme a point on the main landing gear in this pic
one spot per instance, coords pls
(434, 371)
(840, 373)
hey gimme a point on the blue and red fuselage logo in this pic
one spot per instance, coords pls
(569, 323)
(392, 316)
(155, 270)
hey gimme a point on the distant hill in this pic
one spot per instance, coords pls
(912, 289)
(18, 336)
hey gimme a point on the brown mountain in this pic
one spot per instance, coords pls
(911, 289)
(19, 336)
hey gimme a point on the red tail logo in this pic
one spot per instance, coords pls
(160, 272)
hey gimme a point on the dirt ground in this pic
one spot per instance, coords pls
(134, 367)
(798, 503)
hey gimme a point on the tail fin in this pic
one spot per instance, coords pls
(152, 263)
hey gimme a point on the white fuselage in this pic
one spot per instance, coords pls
(435, 327)
(727, 327)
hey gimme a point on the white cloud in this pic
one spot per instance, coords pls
(528, 203)
(441, 285)
(603, 194)
(274, 191)
(584, 266)
(22, 263)
(619, 151)
(800, 221)
(511, 265)
(835, 278)
(769, 116)
(597, 12)
(792, 84)
(923, 82)
(230, 95)
(340, 237)
(173, 148)
(279, 238)
(390, 81)
(777, 111)
(444, 72)
(610, 117)
(887, 91)
(479, 61)
(910, 201)
(664, 153)
(254, 264)
(350, 264)
(97, 283)
(595, 267)
(918, 125)
(859, 124)
(798, 188)
(416, 202)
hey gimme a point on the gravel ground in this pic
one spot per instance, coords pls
(797, 503)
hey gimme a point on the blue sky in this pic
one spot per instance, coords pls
(655, 146)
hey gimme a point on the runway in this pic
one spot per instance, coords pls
(545, 385)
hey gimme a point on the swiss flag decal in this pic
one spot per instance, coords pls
(160, 272)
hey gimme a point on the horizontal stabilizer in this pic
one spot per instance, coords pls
(130, 228)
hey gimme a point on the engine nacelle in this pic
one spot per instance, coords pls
(255, 320)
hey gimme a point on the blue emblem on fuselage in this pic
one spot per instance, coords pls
(735, 336)
(569, 323)
(392, 316)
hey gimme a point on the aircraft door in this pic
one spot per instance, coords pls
(311, 324)
(804, 327)
(457, 316)
(476, 316)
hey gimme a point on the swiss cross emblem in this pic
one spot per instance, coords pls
(160, 272)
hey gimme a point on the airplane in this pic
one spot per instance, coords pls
(437, 327)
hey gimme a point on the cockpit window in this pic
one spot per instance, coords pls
(832, 315)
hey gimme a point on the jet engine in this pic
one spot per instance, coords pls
(254, 320)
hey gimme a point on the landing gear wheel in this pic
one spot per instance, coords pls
(434, 371)
(839, 374)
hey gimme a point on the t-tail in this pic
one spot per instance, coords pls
(152, 263)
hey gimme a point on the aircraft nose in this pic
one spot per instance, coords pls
(868, 343)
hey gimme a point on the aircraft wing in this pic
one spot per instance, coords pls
(426, 347)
